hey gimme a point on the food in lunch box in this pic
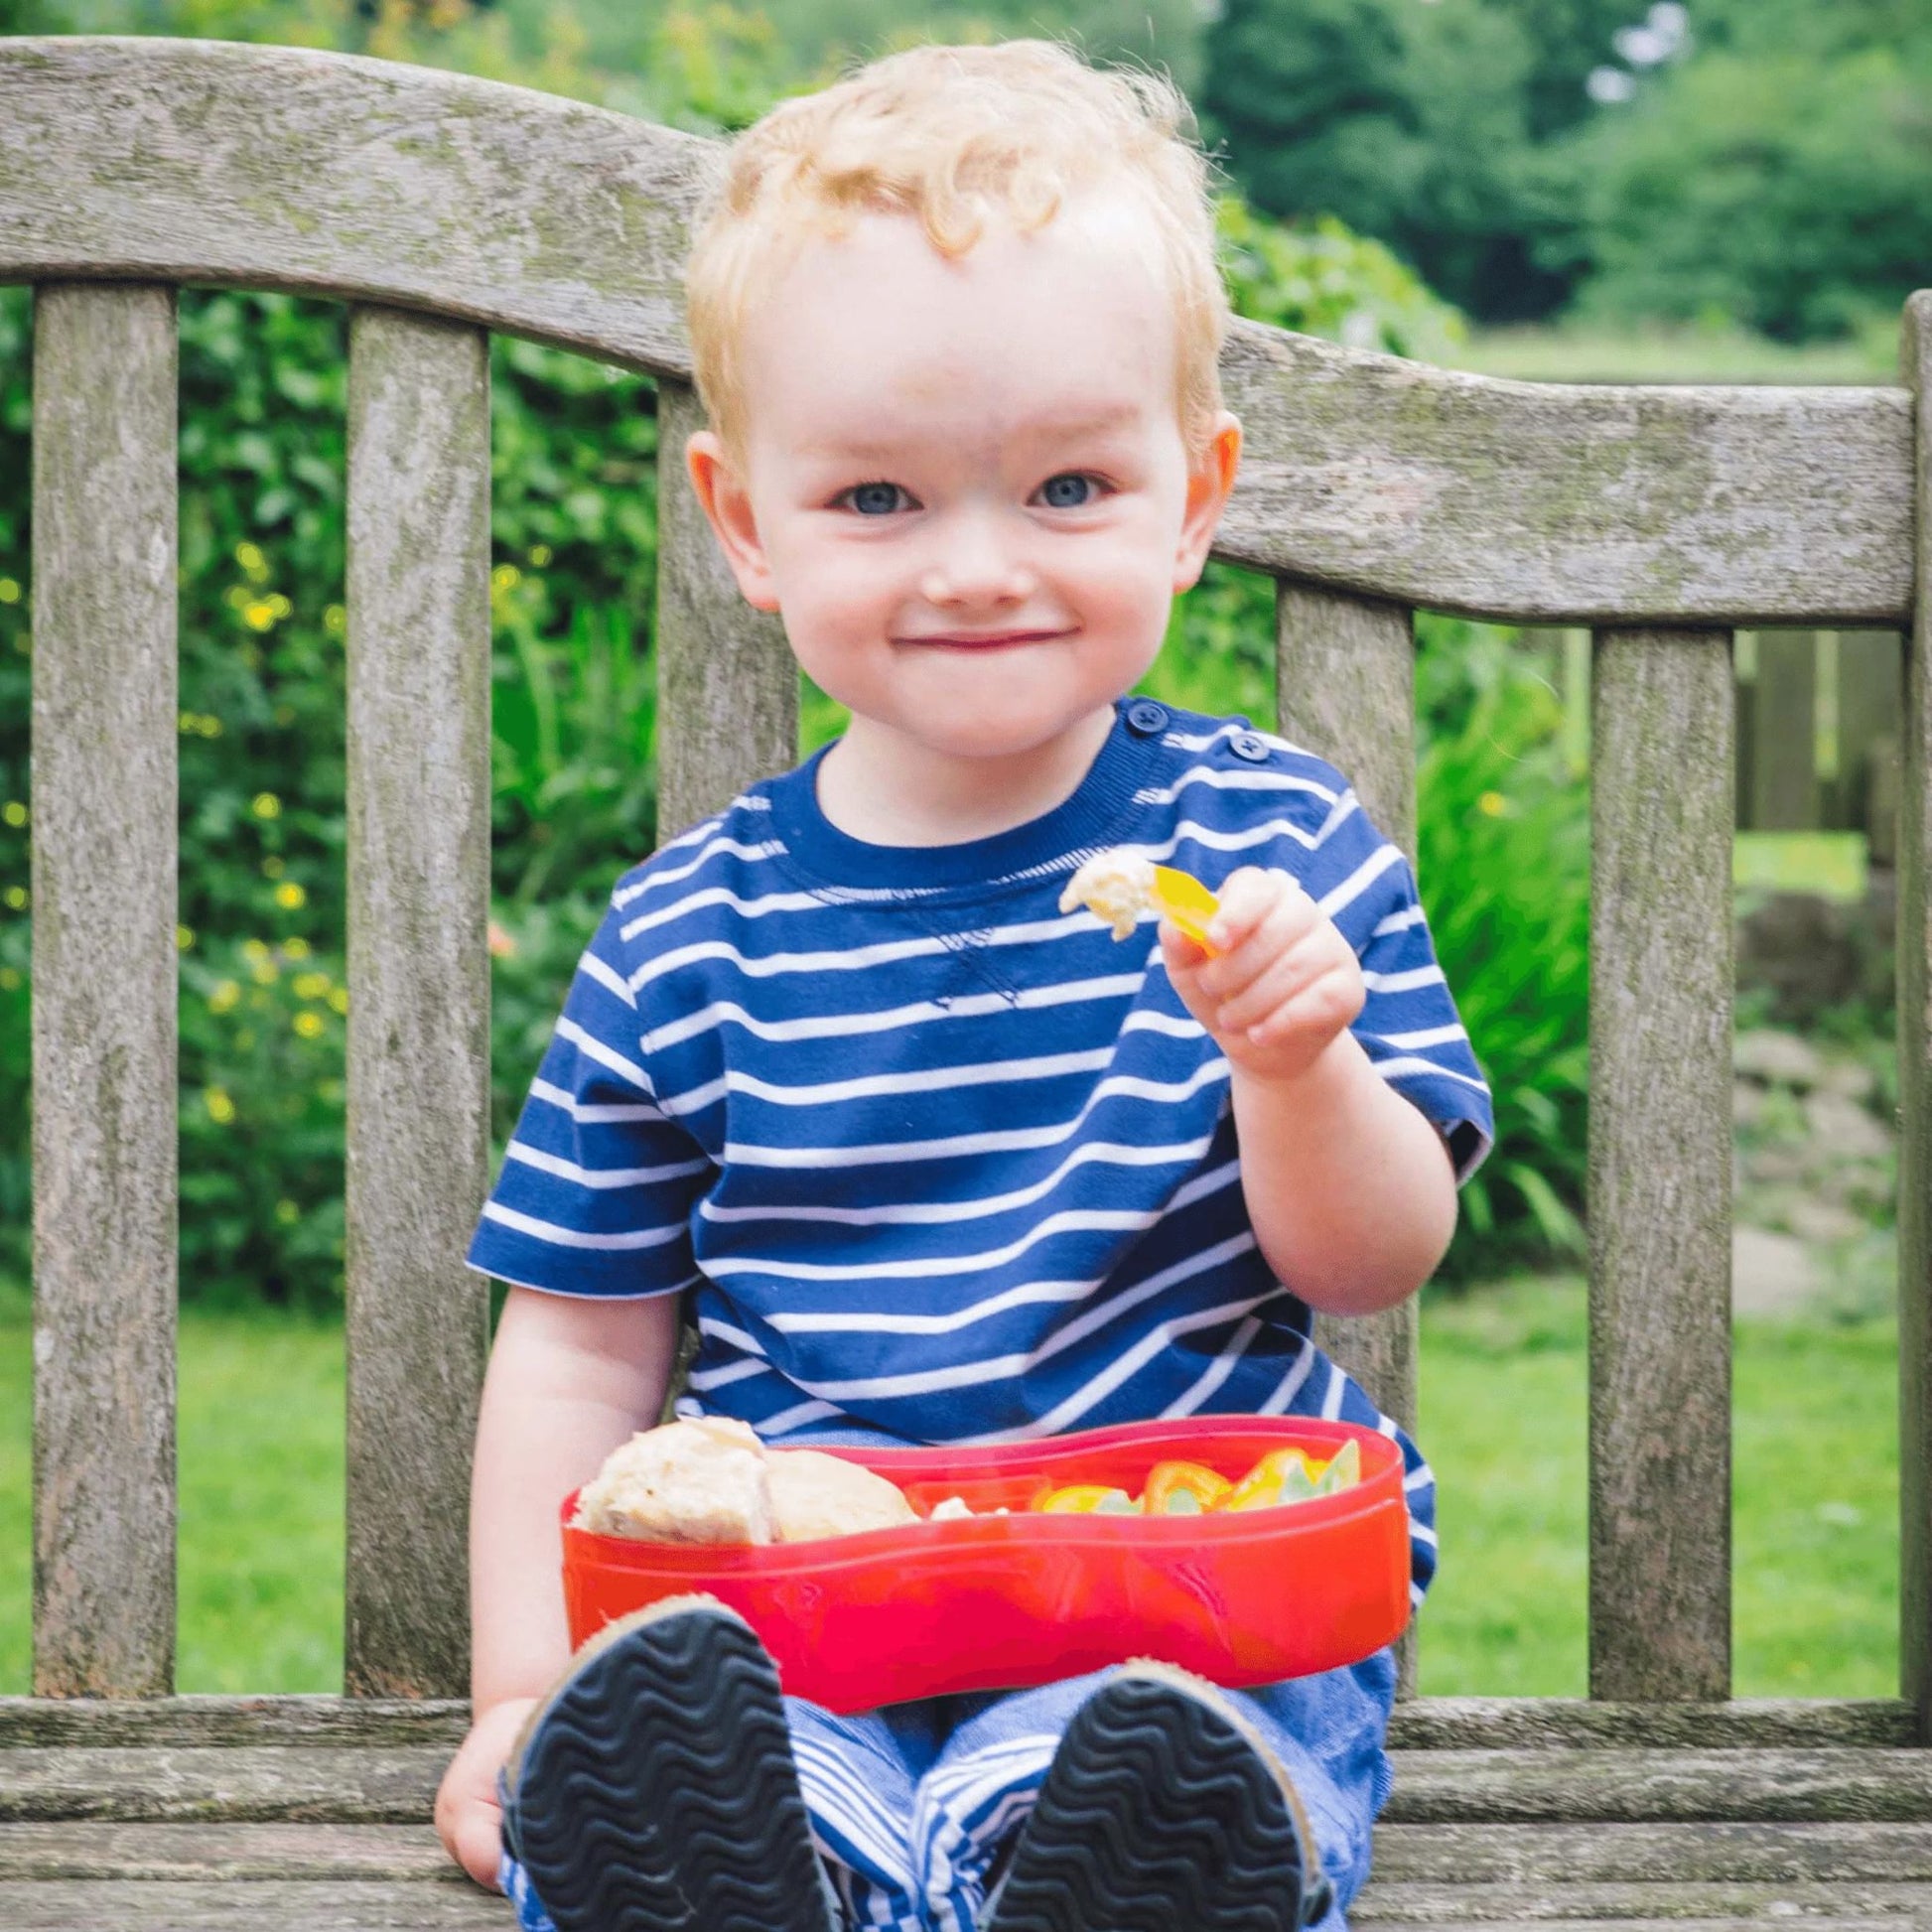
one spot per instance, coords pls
(710, 1480)
(1284, 1476)
(1122, 886)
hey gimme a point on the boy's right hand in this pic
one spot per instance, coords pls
(469, 1819)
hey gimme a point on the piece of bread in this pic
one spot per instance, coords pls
(705, 1481)
(1116, 885)
(814, 1494)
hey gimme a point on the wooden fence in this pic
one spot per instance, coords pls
(1817, 726)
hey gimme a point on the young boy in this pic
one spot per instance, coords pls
(934, 1160)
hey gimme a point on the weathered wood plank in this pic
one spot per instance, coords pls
(256, 1784)
(207, 1722)
(727, 684)
(86, 1907)
(1554, 1855)
(1427, 1723)
(1548, 1857)
(1346, 689)
(231, 1852)
(211, 1906)
(418, 1132)
(1755, 1903)
(1661, 1786)
(1915, 1074)
(1784, 721)
(1503, 1724)
(244, 1784)
(1532, 502)
(105, 717)
(1660, 1167)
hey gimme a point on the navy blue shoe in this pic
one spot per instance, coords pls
(1162, 1809)
(653, 1789)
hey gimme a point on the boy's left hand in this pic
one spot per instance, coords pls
(1283, 983)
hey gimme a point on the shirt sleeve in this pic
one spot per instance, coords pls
(1409, 1026)
(598, 1183)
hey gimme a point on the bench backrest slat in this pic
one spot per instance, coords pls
(1915, 1070)
(1661, 977)
(418, 1128)
(1344, 689)
(106, 732)
(727, 685)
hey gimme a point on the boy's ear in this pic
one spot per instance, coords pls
(1209, 485)
(728, 508)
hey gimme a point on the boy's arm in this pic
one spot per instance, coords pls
(569, 1380)
(1349, 1188)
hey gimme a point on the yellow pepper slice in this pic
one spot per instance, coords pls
(1086, 1499)
(1188, 903)
(1168, 1481)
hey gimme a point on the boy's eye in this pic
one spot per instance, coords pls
(873, 498)
(1071, 489)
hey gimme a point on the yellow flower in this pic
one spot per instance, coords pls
(9, 591)
(339, 997)
(287, 1213)
(311, 986)
(14, 812)
(334, 619)
(253, 950)
(265, 805)
(184, 937)
(296, 948)
(17, 897)
(219, 1107)
(1492, 804)
(505, 577)
(290, 896)
(259, 615)
(280, 607)
(308, 1024)
(539, 555)
(10, 979)
(226, 997)
(250, 558)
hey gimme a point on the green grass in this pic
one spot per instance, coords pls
(261, 1438)
(1578, 354)
(1503, 1421)
(1814, 1488)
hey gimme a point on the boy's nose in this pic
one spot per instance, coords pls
(975, 567)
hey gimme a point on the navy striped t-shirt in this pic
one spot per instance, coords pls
(941, 1162)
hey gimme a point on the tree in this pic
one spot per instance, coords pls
(1409, 122)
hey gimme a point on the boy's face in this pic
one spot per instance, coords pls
(966, 488)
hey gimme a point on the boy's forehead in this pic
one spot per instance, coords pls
(1065, 330)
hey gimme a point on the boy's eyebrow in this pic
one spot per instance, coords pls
(1087, 422)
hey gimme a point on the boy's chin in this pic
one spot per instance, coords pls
(995, 732)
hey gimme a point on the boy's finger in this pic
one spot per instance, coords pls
(1282, 930)
(1248, 899)
(1327, 1004)
(1279, 980)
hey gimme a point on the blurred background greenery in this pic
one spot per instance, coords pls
(1553, 188)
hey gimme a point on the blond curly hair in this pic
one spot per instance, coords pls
(951, 135)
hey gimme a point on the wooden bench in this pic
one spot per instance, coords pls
(441, 209)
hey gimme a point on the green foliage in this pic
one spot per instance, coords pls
(1503, 864)
(1774, 188)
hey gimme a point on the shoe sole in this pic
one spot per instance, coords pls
(1162, 1809)
(654, 1788)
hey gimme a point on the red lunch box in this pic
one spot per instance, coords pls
(991, 1602)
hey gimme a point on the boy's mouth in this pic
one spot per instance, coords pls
(987, 639)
